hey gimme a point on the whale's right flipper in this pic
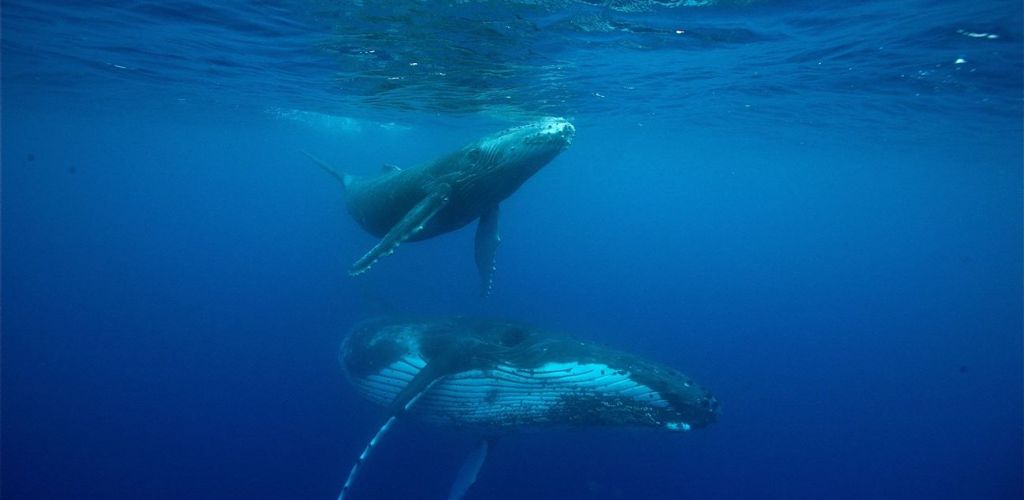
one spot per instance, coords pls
(343, 179)
(470, 469)
(411, 224)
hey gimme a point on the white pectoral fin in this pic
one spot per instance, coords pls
(411, 224)
(356, 467)
(487, 241)
(403, 402)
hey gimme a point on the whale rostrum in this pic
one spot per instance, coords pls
(399, 205)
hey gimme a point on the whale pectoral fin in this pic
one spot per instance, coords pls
(411, 224)
(405, 400)
(419, 385)
(356, 467)
(342, 178)
(470, 469)
(487, 241)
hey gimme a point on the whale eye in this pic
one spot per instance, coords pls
(513, 337)
(473, 154)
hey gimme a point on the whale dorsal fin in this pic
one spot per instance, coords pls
(389, 167)
(406, 228)
(487, 241)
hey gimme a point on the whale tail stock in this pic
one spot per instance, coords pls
(342, 178)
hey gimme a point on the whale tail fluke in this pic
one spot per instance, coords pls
(343, 178)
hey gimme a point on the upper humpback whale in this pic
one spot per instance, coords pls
(448, 193)
(495, 377)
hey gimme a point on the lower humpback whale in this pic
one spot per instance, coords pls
(496, 377)
(444, 195)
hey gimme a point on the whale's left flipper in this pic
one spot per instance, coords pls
(487, 241)
(364, 455)
(406, 228)
(405, 400)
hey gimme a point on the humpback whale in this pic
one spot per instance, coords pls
(399, 205)
(497, 377)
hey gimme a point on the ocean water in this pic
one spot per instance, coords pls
(812, 208)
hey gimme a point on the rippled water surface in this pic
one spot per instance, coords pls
(813, 62)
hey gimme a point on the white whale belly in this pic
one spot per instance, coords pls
(506, 396)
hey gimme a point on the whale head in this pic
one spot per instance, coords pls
(505, 160)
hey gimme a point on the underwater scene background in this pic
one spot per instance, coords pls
(813, 208)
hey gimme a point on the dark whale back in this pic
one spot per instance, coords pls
(442, 196)
(479, 175)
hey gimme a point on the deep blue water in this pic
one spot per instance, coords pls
(812, 208)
